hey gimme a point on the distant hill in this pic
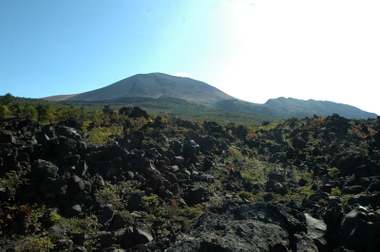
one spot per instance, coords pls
(289, 107)
(171, 88)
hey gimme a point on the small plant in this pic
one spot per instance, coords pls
(55, 217)
(36, 243)
(230, 166)
(174, 207)
(128, 216)
(190, 212)
(13, 179)
(246, 196)
(322, 202)
(333, 172)
(152, 202)
(252, 135)
(22, 219)
(344, 203)
(111, 196)
(336, 191)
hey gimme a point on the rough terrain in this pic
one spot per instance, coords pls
(308, 184)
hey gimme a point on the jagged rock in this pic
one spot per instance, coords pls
(332, 216)
(64, 245)
(75, 185)
(44, 169)
(213, 127)
(6, 137)
(280, 188)
(372, 200)
(138, 112)
(277, 174)
(80, 249)
(195, 195)
(81, 168)
(118, 222)
(298, 143)
(133, 140)
(81, 238)
(67, 131)
(240, 132)
(106, 238)
(48, 130)
(110, 169)
(316, 230)
(361, 230)
(247, 227)
(208, 162)
(304, 243)
(106, 217)
(72, 123)
(135, 235)
(206, 143)
(74, 210)
(201, 176)
(176, 146)
(374, 186)
(57, 230)
(354, 189)
(134, 201)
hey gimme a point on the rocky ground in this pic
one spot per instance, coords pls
(308, 184)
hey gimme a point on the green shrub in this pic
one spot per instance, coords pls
(55, 217)
(128, 216)
(246, 196)
(37, 244)
(336, 191)
(111, 196)
(333, 172)
(190, 212)
(322, 202)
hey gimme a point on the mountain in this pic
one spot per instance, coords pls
(170, 88)
(289, 107)
(155, 85)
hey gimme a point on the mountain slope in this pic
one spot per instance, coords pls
(289, 107)
(244, 106)
(156, 85)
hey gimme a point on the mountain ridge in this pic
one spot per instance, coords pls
(164, 86)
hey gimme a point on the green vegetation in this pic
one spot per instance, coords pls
(36, 244)
(57, 111)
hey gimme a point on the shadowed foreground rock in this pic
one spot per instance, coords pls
(243, 226)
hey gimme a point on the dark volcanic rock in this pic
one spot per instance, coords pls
(45, 169)
(250, 227)
(361, 230)
(135, 235)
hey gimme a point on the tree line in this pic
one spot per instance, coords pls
(10, 107)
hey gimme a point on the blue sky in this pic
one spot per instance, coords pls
(252, 50)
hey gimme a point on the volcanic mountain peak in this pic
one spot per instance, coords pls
(156, 85)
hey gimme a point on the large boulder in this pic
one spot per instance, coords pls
(135, 235)
(244, 226)
(45, 169)
(361, 230)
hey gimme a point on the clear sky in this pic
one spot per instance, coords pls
(252, 50)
